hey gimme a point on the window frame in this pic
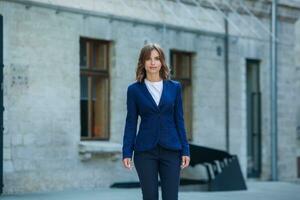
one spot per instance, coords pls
(89, 71)
(185, 82)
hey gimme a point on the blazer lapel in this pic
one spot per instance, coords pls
(161, 101)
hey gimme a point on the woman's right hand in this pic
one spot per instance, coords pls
(127, 163)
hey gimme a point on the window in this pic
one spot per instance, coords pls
(181, 66)
(94, 89)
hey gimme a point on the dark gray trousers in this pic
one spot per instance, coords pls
(158, 161)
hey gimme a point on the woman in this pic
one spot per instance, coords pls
(160, 147)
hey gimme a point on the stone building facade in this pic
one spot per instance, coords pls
(47, 44)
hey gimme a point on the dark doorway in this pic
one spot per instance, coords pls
(253, 118)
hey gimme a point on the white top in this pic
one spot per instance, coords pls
(155, 89)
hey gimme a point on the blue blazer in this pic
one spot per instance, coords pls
(162, 124)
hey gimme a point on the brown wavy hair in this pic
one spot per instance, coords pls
(145, 53)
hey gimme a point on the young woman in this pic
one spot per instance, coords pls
(160, 147)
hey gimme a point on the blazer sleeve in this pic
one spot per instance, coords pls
(131, 124)
(179, 120)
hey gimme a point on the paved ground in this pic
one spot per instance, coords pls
(256, 191)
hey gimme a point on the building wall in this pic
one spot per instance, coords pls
(297, 91)
(286, 106)
(41, 90)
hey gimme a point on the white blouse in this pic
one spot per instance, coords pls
(155, 89)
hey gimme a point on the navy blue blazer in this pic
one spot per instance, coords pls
(162, 124)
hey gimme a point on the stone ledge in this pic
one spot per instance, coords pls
(88, 148)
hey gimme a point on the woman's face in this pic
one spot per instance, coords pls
(153, 64)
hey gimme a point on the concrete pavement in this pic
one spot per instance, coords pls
(256, 191)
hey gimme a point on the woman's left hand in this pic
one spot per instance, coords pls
(185, 162)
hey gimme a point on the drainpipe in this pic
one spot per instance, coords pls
(1, 103)
(273, 61)
(226, 64)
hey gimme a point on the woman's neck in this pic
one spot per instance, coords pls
(153, 77)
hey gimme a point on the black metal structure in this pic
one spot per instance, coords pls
(1, 103)
(223, 170)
